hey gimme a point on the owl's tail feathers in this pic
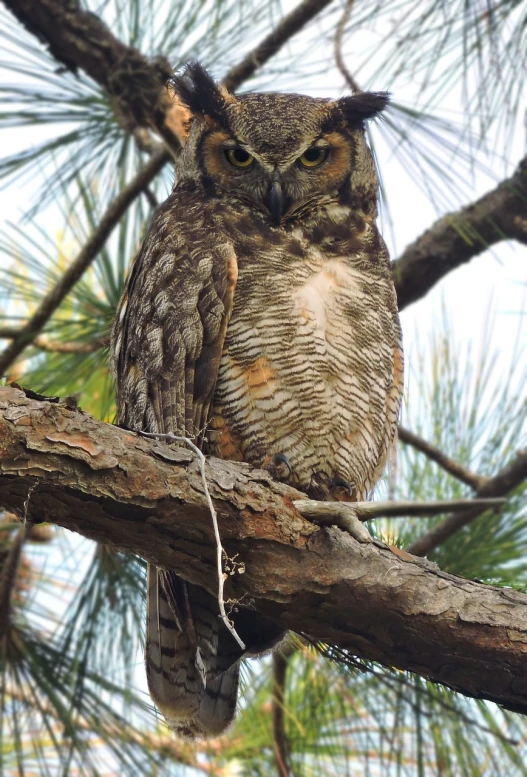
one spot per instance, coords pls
(192, 661)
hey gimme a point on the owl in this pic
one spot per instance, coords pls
(260, 320)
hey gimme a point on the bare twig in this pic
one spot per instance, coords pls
(366, 511)
(505, 481)
(339, 59)
(84, 259)
(219, 549)
(471, 479)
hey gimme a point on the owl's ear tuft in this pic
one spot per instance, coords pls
(358, 108)
(196, 89)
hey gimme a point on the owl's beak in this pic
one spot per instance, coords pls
(276, 202)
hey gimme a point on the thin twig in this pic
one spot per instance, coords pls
(84, 259)
(339, 59)
(501, 484)
(219, 549)
(56, 346)
(471, 479)
(150, 197)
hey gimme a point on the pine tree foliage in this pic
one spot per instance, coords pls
(73, 696)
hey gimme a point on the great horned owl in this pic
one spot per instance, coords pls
(260, 310)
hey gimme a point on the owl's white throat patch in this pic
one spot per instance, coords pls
(316, 296)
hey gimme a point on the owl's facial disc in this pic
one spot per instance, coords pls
(278, 180)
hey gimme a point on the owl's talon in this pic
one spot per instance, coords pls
(277, 467)
(341, 483)
(281, 458)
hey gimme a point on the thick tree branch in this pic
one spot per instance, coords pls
(80, 40)
(146, 497)
(458, 237)
(84, 259)
(503, 483)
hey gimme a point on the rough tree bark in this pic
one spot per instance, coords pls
(148, 498)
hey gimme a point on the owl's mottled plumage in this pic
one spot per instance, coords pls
(261, 309)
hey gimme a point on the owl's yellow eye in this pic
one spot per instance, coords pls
(238, 157)
(314, 156)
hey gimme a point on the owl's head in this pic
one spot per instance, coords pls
(284, 154)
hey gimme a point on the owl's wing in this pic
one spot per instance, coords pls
(171, 322)
(166, 350)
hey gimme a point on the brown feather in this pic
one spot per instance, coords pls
(260, 339)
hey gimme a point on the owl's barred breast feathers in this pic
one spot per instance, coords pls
(260, 318)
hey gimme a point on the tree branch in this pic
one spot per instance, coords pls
(292, 23)
(146, 497)
(339, 59)
(85, 257)
(505, 481)
(461, 473)
(458, 237)
(80, 40)
(56, 346)
(281, 744)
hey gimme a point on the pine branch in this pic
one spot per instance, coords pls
(147, 497)
(339, 59)
(281, 744)
(458, 237)
(367, 511)
(455, 469)
(503, 483)
(80, 40)
(84, 259)
(292, 23)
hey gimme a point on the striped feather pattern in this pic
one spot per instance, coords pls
(192, 669)
(312, 362)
